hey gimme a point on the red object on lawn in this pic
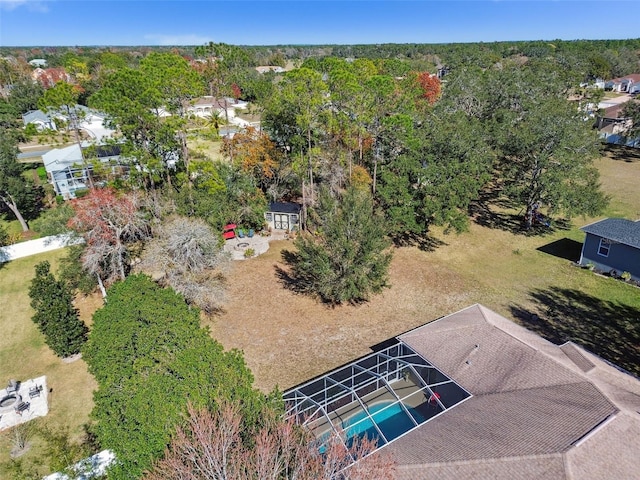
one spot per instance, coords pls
(229, 231)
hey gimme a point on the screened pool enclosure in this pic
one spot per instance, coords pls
(381, 396)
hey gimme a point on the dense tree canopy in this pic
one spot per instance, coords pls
(150, 356)
(17, 194)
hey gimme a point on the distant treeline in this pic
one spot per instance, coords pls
(593, 58)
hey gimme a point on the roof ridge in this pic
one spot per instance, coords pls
(541, 387)
(479, 461)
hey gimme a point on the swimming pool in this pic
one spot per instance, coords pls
(390, 418)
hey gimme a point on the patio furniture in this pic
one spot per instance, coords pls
(21, 407)
(13, 386)
(240, 233)
(35, 391)
(251, 233)
(228, 232)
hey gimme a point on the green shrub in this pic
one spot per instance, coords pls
(626, 276)
(42, 174)
(30, 130)
(249, 252)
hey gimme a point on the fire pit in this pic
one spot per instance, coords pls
(9, 401)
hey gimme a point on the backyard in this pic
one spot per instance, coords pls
(288, 338)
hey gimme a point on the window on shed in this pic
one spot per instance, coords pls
(268, 216)
(603, 248)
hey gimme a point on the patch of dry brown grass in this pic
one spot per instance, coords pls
(288, 338)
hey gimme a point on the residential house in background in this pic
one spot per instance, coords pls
(270, 68)
(69, 173)
(38, 62)
(613, 126)
(612, 244)
(207, 106)
(626, 84)
(48, 77)
(89, 120)
(42, 121)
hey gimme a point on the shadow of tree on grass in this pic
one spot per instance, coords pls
(608, 329)
(482, 213)
(424, 242)
(622, 153)
(286, 278)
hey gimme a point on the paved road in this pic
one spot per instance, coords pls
(37, 153)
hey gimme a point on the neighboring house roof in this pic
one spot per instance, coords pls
(538, 410)
(269, 68)
(634, 76)
(284, 207)
(613, 111)
(61, 158)
(619, 230)
(50, 76)
(213, 102)
(38, 62)
(36, 116)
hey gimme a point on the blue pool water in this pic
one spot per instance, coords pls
(390, 418)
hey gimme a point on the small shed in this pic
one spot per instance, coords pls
(613, 244)
(283, 216)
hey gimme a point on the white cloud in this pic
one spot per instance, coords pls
(189, 39)
(31, 5)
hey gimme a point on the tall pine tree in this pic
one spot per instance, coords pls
(55, 314)
(346, 258)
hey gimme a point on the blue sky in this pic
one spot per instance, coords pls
(173, 22)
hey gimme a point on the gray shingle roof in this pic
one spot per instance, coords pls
(619, 230)
(538, 410)
(537, 421)
(33, 115)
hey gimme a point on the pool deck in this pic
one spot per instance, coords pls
(38, 405)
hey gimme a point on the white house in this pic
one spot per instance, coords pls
(91, 121)
(207, 106)
(41, 120)
(68, 172)
(627, 84)
(270, 68)
(38, 63)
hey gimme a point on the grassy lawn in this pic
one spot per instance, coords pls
(24, 355)
(208, 148)
(288, 338)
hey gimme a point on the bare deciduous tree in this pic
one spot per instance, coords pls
(188, 256)
(109, 223)
(211, 448)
